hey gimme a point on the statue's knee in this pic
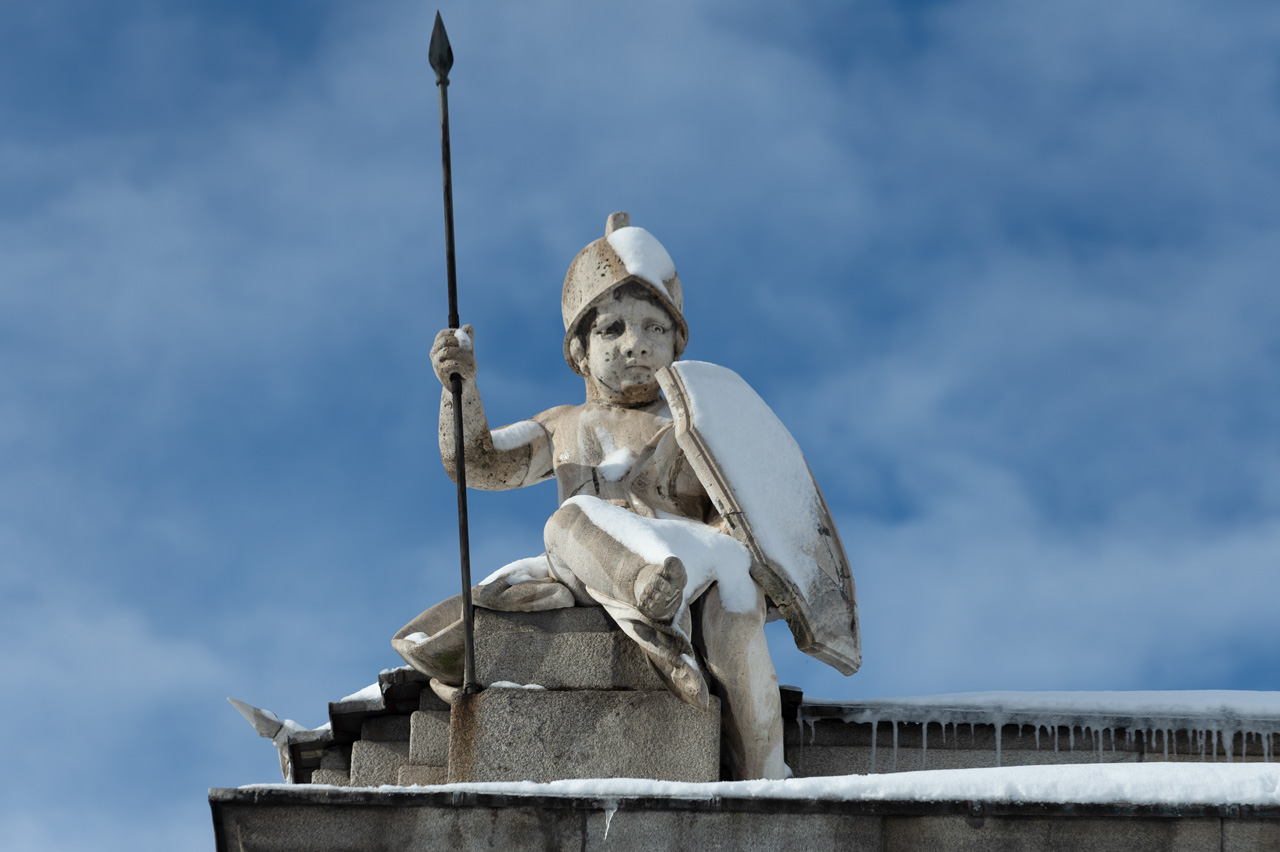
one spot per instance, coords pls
(562, 524)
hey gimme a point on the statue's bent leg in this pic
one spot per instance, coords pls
(737, 655)
(643, 592)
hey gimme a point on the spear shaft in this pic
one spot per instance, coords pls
(441, 56)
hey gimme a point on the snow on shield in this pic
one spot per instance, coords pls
(759, 480)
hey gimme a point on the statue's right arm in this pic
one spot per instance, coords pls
(510, 457)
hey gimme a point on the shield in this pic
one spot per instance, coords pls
(760, 483)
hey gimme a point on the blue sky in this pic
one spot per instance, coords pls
(1006, 269)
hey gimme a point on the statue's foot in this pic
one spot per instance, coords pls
(660, 590)
(684, 680)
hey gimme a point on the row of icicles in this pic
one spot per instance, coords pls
(1208, 742)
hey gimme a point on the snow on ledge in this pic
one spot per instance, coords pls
(1207, 704)
(1136, 784)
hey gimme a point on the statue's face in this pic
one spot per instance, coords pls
(628, 343)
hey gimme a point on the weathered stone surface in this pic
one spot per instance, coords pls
(411, 775)
(431, 702)
(429, 740)
(537, 735)
(628, 830)
(320, 820)
(573, 648)
(336, 758)
(338, 777)
(1250, 835)
(386, 729)
(376, 763)
(1050, 834)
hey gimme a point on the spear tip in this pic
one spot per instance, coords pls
(440, 53)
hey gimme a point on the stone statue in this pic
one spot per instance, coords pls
(689, 518)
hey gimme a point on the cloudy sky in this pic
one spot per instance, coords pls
(1007, 269)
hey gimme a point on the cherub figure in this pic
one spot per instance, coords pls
(636, 531)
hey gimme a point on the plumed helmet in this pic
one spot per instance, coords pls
(624, 254)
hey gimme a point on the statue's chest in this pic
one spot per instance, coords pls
(598, 448)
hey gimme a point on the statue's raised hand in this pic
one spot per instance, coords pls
(453, 352)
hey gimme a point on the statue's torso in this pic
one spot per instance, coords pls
(595, 447)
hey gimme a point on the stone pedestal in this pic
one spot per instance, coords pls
(596, 709)
(541, 735)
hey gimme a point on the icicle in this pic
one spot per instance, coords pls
(1055, 739)
(1112, 731)
(1164, 735)
(610, 808)
(1071, 734)
(924, 744)
(875, 723)
(1231, 745)
(895, 745)
(1037, 736)
(999, 732)
(944, 731)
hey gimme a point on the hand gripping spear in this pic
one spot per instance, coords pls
(441, 57)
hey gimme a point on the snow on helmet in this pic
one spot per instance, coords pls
(624, 254)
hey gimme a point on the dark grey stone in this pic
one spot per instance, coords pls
(306, 819)
(336, 758)
(386, 729)
(1050, 834)
(537, 735)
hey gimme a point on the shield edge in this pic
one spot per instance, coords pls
(764, 570)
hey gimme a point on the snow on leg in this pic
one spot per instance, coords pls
(617, 560)
(737, 656)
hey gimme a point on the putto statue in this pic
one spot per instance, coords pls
(686, 509)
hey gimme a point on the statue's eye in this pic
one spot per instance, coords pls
(613, 329)
(657, 329)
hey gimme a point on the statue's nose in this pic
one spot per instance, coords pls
(633, 346)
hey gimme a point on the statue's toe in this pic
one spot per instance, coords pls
(660, 590)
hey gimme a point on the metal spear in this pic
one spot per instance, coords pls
(441, 56)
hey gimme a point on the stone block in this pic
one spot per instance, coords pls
(337, 777)
(422, 775)
(336, 757)
(376, 763)
(574, 648)
(429, 738)
(430, 702)
(538, 735)
(385, 729)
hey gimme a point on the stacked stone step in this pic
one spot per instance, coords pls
(566, 694)
(428, 744)
(580, 701)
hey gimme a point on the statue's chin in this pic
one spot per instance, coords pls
(629, 394)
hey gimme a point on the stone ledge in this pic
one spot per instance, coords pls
(275, 819)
